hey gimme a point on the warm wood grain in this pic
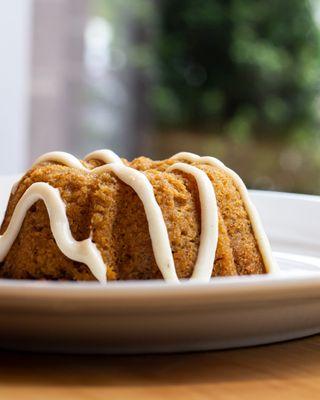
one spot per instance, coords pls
(283, 371)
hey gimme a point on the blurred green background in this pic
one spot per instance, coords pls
(237, 79)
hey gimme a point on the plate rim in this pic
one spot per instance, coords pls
(295, 285)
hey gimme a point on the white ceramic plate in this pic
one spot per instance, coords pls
(156, 317)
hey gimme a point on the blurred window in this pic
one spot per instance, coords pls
(238, 79)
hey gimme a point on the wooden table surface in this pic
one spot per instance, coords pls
(283, 371)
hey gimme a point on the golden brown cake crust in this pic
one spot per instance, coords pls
(113, 214)
(233, 216)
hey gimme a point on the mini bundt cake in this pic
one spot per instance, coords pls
(107, 218)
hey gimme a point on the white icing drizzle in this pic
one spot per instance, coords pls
(107, 156)
(157, 227)
(61, 157)
(262, 240)
(84, 251)
(67, 159)
(209, 222)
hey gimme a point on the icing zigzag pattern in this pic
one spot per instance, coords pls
(87, 252)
